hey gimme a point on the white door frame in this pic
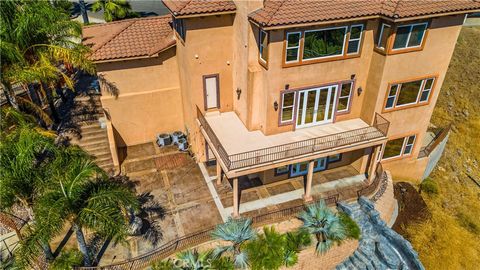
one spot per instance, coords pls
(206, 94)
(332, 90)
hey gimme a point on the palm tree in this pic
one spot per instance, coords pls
(38, 39)
(113, 9)
(237, 232)
(80, 194)
(320, 221)
(195, 260)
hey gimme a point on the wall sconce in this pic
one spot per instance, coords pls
(359, 90)
(239, 92)
(353, 76)
(275, 105)
(287, 86)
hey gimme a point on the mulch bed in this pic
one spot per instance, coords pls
(411, 207)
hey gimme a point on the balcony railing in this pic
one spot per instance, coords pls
(439, 137)
(379, 129)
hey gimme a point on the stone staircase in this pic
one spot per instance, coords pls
(379, 247)
(87, 113)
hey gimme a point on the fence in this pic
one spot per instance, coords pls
(439, 136)
(379, 129)
(191, 240)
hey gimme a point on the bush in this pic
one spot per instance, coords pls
(67, 259)
(351, 228)
(429, 186)
(272, 250)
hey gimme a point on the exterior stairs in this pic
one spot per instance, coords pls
(87, 113)
(379, 247)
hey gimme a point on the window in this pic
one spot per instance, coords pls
(409, 93)
(409, 36)
(293, 46)
(288, 104)
(282, 170)
(324, 43)
(263, 46)
(334, 158)
(399, 147)
(179, 27)
(383, 35)
(355, 39)
(344, 97)
(426, 90)
(302, 167)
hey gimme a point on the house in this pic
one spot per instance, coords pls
(281, 89)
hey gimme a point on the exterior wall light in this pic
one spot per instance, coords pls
(275, 105)
(353, 76)
(359, 90)
(239, 92)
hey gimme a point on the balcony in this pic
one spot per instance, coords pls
(241, 151)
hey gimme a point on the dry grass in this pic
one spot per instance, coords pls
(451, 238)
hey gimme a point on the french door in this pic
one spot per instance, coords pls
(302, 167)
(316, 106)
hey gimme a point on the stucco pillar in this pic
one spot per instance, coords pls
(374, 163)
(219, 174)
(366, 160)
(236, 212)
(307, 197)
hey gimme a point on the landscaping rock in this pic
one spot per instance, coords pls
(379, 247)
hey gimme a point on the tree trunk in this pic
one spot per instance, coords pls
(9, 94)
(51, 104)
(47, 250)
(82, 245)
(83, 10)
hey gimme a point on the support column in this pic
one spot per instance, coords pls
(236, 212)
(373, 167)
(219, 174)
(307, 197)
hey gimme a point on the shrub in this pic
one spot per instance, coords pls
(429, 186)
(67, 259)
(163, 265)
(272, 250)
(351, 227)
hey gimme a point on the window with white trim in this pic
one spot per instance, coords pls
(344, 97)
(328, 42)
(399, 147)
(355, 39)
(288, 105)
(263, 46)
(293, 47)
(383, 35)
(409, 93)
(409, 36)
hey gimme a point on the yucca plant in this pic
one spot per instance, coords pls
(237, 232)
(322, 222)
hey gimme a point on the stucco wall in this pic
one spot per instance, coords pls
(149, 100)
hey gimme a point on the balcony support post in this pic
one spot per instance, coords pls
(307, 197)
(374, 163)
(219, 173)
(236, 212)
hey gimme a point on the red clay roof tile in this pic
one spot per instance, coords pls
(129, 38)
(197, 7)
(285, 12)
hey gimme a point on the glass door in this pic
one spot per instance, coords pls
(302, 167)
(316, 106)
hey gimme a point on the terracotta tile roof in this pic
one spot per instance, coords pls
(285, 12)
(129, 38)
(197, 7)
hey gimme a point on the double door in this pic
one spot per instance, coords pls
(316, 106)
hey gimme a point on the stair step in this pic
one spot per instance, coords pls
(93, 138)
(91, 132)
(104, 162)
(94, 144)
(101, 156)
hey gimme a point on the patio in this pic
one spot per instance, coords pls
(257, 198)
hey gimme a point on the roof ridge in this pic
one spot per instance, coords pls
(126, 20)
(185, 5)
(130, 23)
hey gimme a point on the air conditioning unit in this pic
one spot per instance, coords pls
(176, 136)
(182, 144)
(164, 139)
